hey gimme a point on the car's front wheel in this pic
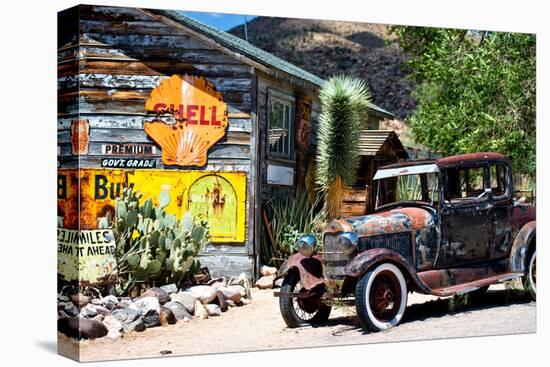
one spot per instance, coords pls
(299, 312)
(381, 297)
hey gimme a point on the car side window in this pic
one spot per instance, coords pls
(497, 178)
(464, 183)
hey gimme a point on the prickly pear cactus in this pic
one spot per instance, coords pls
(152, 246)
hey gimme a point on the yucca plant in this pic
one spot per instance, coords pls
(345, 102)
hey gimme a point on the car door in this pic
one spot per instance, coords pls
(500, 182)
(465, 216)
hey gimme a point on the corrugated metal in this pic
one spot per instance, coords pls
(371, 141)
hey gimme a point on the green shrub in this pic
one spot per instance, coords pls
(151, 245)
(292, 217)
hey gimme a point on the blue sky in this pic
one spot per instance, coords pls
(219, 20)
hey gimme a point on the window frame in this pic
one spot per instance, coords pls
(507, 181)
(468, 200)
(289, 100)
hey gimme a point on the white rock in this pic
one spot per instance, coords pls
(200, 311)
(265, 282)
(113, 326)
(109, 301)
(243, 281)
(233, 292)
(170, 288)
(218, 282)
(186, 299)
(203, 293)
(213, 310)
(89, 311)
(145, 304)
(268, 270)
(125, 303)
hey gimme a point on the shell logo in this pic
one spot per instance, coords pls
(200, 119)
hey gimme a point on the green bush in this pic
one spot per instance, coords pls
(292, 217)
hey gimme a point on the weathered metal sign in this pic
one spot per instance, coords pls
(86, 255)
(218, 197)
(129, 149)
(303, 128)
(80, 137)
(128, 163)
(200, 114)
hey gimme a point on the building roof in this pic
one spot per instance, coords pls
(371, 141)
(252, 52)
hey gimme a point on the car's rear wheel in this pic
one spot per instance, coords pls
(299, 312)
(530, 279)
(381, 297)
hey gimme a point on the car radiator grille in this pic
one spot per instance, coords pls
(335, 261)
(398, 242)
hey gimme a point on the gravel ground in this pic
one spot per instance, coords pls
(259, 326)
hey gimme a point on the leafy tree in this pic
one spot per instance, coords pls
(345, 101)
(476, 91)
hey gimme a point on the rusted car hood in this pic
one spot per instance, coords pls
(391, 221)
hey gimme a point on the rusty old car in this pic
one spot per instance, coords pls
(443, 227)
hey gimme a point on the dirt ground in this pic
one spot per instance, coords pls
(259, 326)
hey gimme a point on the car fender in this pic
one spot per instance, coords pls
(520, 247)
(370, 258)
(310, 269)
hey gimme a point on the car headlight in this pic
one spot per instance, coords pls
(306, 245)
(347, 242)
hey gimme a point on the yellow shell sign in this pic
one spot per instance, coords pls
(200, 114)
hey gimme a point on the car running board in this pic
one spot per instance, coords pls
(463, 288)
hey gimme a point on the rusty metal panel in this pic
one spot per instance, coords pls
(310, 269)
(218, 197)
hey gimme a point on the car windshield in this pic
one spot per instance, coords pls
(421, 187)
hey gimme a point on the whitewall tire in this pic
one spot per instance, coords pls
(381, 297)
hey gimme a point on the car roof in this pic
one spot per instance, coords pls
(453, 160)
(470, 157)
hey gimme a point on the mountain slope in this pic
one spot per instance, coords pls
(326, 47)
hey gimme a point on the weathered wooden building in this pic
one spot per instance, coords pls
(115, 66)
(376, 148)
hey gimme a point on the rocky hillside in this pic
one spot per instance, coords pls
(326, 48)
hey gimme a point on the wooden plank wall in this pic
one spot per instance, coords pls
(108, 68)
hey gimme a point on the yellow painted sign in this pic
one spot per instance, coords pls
(200, 114)
(86, 255)
(217, 197)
